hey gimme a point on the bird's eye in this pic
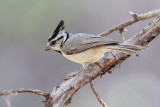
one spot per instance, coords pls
(53, 43)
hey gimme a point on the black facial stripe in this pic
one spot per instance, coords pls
(66, 37)
(58, 51)
(59, 28)
(60, 38)
(54, 42)
(61, 44)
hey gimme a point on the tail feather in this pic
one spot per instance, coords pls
(128, 49)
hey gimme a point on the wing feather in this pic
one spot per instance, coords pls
(79, 43)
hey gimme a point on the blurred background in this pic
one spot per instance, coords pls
(25, 26)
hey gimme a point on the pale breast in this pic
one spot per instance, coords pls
(89, 56)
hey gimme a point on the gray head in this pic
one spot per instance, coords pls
(57, 38)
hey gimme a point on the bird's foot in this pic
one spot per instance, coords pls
(105, 68)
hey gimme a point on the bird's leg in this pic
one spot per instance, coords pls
(103, 69)
(118, 61)
(98, 65)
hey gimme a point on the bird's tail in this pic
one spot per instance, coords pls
(128, 49)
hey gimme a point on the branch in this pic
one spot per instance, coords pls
(22, 90)
(62, 94)
(97, 96)
(7, 101)
(135, 19)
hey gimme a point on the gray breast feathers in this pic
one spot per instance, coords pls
(80, 42)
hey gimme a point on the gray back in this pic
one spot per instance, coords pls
(80, 42)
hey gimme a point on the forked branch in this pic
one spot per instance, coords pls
(135, 18)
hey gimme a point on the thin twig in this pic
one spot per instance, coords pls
(122, 36)
(7, 101)
(131, 21)
(96, 94)
(121, 33)
(23, 90)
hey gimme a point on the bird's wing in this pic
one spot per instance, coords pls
(79, 43)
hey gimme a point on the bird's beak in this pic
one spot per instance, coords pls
(47, 49)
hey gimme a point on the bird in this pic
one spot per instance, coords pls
(85, 48)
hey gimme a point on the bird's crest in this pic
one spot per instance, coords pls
(59, 28)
